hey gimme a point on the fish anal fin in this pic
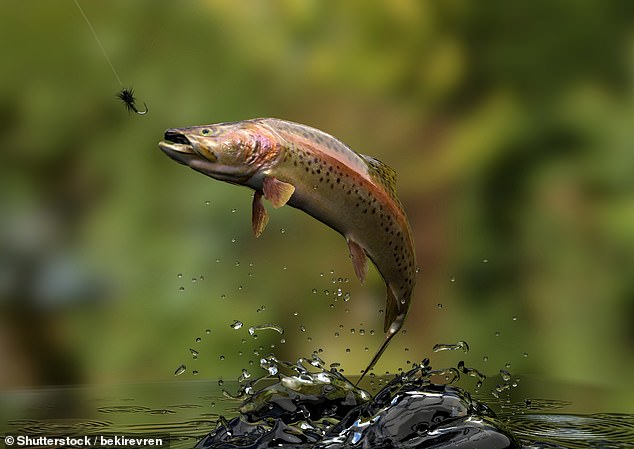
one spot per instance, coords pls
(276, 191)
(359, 259)
(259, 217)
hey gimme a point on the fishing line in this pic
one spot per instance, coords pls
(126, 95)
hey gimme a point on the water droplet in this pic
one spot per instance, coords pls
(506, 376)
(233, 240)
(181, 289)
(273, 327)
(207, 203)
(452, 279)
(485, 358)
(240, 288)
(498, 333)
(180, 370)
(507, 365)
(195, 372)
(336, 334)
(282, 340)
(361, 331)
(208, 331)
(218, 260)
(194, 280)
(326, 292)
(314, 291)
(347, 349)
(236, 324)
(418, 270)
(222, 357)
(525, 354)
(202, 278)
(346, 297)
(221, 382)
(284, 267)
(223, 296)
(237, 264)
(179, 275)
(439, 305)
(485, 260)
(198, 339)
(233, 211)
(514, 317)
(282, 231)
(194, 352)
(372, 332)
(451, 347)
(352, 331)
(302, 328)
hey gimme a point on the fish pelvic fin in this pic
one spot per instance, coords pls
(359, 259)
(276, 191)
(259, 216)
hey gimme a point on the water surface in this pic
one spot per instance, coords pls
(185, 411)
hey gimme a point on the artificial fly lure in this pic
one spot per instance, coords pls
(127, 98)
(125, 95)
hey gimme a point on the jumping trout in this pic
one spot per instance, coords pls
(289, 163)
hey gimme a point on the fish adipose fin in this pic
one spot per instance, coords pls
(276, 191)
(359, 259)
(259, 217)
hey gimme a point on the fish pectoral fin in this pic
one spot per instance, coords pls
(259, 217)
(359, 259)
(276, 191)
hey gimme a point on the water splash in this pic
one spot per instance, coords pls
(310, 407)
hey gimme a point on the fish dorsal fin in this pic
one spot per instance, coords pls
(382, 173)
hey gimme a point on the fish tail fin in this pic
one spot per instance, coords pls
(391, 309)
(391, 330)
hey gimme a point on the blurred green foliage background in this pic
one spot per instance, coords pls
(511, 125)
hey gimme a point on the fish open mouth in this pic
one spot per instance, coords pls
(177, 146)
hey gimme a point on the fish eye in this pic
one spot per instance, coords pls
(206, 132)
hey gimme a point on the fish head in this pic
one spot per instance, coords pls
(231, 152)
